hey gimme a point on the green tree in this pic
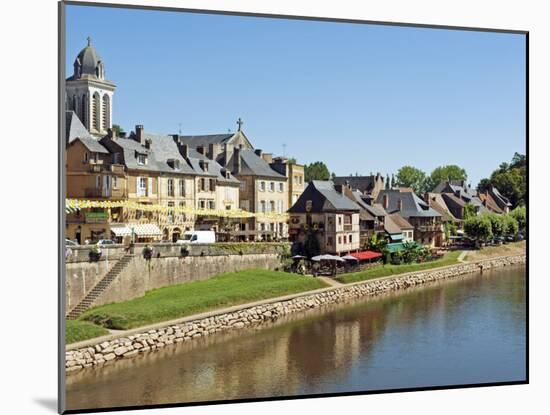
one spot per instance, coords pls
(311, 245)
(469, 211)
(444, 173)
(408, 176)
(387, 184)
(392, 184)
(291, 160)
(316, 171)
(450, 229)
(510, 179)
(117, 129)
(497, 224)
(478, 228)
(511, 226)
(520, 215)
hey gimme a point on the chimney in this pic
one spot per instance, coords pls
(147, 143)
(399, 204)
(110, 133)
(385, 201)
(258, 152)
(212, 151)
(122, 134)
(236, 161)
(139, 133)
(268, 157)
(200, 150)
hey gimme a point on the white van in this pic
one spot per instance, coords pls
(198, 237)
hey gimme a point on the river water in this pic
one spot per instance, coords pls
(465, 331)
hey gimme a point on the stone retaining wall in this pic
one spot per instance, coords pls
(167, 267)
(145, 341)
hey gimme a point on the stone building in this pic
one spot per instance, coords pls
(324, 213)
(294, 173)
(88, 94)
(368, 185)
(262, 189)
(428, 228)
(91, 174)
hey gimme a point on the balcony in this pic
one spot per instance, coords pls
(95, 192)
(348, 227)
(429, 228)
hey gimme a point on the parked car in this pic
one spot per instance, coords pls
(103, 242)
(68, 242)
(198, 237)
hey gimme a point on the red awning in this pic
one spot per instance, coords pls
(366, 255)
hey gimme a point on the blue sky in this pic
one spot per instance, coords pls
(361, 98)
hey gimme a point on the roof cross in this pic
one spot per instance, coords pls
(239, 124)
(89, 39)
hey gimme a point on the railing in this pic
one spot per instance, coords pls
(428, 228)
(348, 227)
(104, 193)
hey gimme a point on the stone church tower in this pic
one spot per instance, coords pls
(89, 94)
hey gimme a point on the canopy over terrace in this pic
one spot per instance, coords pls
(366, 255)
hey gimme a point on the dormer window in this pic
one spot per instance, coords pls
(142, 159)
(173, 163)
(227, 175)
(204, 165)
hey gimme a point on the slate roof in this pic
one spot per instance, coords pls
(324, 198)
(74, 127)
(254, 165)
(130, 149)
(205, 140)
(412, 205)
(214, 168)
(164, 148)
(375, 209)
(361, 183)
(395, 223)
(502, 198)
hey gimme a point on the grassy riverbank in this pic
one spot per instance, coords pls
(514, 248)
(177, 301)
(449, 258)
(77, 331)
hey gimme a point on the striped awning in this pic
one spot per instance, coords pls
(145, 229)
(122, 230)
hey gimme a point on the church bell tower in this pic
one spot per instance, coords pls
(89, 94)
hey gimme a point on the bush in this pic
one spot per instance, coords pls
(520, 215)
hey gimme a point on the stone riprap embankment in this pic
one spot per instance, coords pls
(89, 354)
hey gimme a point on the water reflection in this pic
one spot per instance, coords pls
(470, 330)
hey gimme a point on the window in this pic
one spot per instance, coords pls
(211, 204)
(202, 204)
(262, 226)
(86, 157)
(142, 159)
(339, 220)
(243, 186)
(183, 218)
(329, 241)
(296, 180)
(350, 238)
(281, 187)
(244, 205)
(212, 185)
(271, 186)
(339, 240)
(202, 184)
(142, 186)
(262, 206)
(182, 187)
(272, 227)
(115, 182)
(171, 212)
(271, 206)
(345, 239)
(262, 186)
(243, 226)
(279, 206)
(98, 181)
(347, 219)
(170, 185)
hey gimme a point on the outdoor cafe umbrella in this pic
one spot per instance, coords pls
(327, 257)
(350, 258)
(299, 257)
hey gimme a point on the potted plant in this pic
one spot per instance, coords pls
(147, 252)
(184, 251)
(95, 253)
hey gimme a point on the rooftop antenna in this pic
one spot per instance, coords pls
(284, 150)
(179, 128)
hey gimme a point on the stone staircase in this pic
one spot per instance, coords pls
(100, 287)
